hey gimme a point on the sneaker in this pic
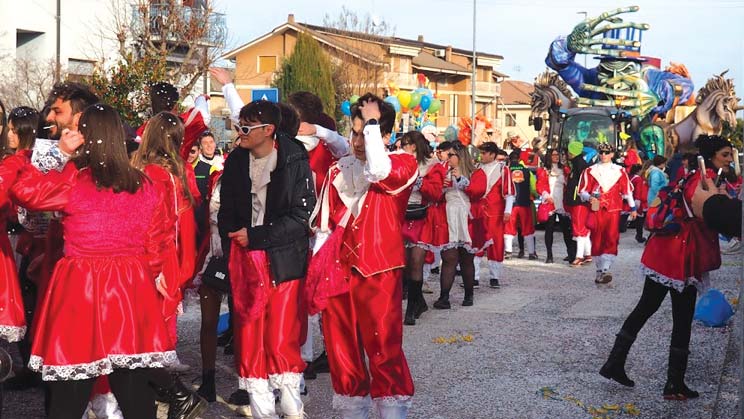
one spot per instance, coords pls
(577, 262)
(532, 256)
(603, 278)
(494, 283)
(732, 247)
(587, 260)
(507, 255)
(239, 398)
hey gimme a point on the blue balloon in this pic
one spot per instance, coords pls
(425, 103)
(346, 108)
(393, 100)
(223, 323)
(423, 91)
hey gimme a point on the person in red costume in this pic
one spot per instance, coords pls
(551, 185)
(577, 209)
(605, 185)
(640, 195)
(266, 197)
(496, 205)
(675, 264)
(112, 255)
(363, 202)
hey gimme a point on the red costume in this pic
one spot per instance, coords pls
(497, 201)
(101, 310)
(522, 214)
(609, 183)
(685, 258)
(363, 203)
(640, 193)
(427, 191)
(434, 235)
(193, 125)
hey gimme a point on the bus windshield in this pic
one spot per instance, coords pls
(588, 129)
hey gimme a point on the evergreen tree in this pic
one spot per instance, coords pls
(307, 69)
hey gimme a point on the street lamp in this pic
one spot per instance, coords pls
(586, 15)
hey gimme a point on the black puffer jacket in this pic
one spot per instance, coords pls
(290, 199)
(571, 194)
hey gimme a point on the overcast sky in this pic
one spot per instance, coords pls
(706, 35)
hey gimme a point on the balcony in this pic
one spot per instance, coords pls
(179, 25)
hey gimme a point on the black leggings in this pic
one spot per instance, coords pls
(565, 224)
(683, 309)
(136, 399)
(450, 259)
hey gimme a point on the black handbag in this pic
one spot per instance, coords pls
(216, 274)
(416, 211)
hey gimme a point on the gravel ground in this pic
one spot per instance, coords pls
(549, 326)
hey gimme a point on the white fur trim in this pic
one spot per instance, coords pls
(341, 402)
(396, 400)
(12, 333)
(291, 379)
(254, 385)
(103, 366)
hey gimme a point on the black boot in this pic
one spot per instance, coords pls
(405, 285)
(207, 389)
(443, 302)
(614, 368)
(422, 306)
(225, 337)
(183, 403)
(675, 388)
(414, 299)
(468, 300)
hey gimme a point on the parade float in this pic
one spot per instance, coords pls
(625, 93)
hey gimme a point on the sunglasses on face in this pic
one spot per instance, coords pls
(246, 129)
(605, 152)
(450, 155)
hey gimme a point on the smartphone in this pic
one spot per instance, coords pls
(719, 177)
(703, 173)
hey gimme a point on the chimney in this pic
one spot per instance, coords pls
(448, 53)
(290, 18)
(421, 38)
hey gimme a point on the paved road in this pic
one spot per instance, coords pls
(548, 326)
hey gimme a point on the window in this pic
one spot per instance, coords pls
(511, 120)
(266, 63)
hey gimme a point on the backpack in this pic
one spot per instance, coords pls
(666, 214)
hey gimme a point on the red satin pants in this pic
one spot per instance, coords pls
(520, 217)
(495, 226)
(368, 319)
(606, 232)
(270, 344)
(578, 215)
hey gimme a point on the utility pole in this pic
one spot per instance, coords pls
(472, 84)
(58, 65)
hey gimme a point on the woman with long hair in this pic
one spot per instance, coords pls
(675, 264)
(551, 185)
(101, 313)
(426, 191)
(460, 248)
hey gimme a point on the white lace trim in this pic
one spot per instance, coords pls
(341, 402)
(290, 379)
(102, 366)
(468, 246)
(676, 284)
(396, 400)
(254, 385)
(12, 333)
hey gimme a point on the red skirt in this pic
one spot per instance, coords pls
(12, 321)
(435, 232)
(100, 313)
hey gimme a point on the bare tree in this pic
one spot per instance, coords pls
(27, 82)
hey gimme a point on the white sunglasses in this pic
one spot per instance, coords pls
(246, 129)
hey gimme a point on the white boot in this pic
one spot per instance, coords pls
(508, 240)
(588, 245)
(496, 269)
(352, 407)
(262, 399)
(393, 407)
(290, 401)
(105, 406)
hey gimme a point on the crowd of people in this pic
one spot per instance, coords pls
(110, 225)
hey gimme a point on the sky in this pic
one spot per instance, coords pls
(705, 35)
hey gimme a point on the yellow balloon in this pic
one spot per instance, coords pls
(404, 98)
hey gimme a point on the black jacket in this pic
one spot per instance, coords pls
(571, 193)
(290, 199)
(723, 215)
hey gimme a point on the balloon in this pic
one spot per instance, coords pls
(393, 101)
(415, 99)
(423, 91)
(425, 103)
(404, 98)
(346, 108)
(434, 106)
(353, 99)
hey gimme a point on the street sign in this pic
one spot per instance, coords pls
(272, 95)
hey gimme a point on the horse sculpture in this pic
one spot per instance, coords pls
(716, 103)
(550, 92)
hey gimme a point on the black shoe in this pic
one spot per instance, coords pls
(435, 270)
(532, 256)
(549, 259)
(239, 398)
(494, 283)
(442, 304)
(640, 239)
(230, 347)
(225, 338)
(183, 403)
(507, 255)
(567, 259)
(320, 364)
(476, 283)
(309, 372)
(520, 255)
(207, 389)
(614, 368)
(467, 301)
(23, 380)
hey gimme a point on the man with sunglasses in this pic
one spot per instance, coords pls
(364, 199)
(604, 185)
(266, 198)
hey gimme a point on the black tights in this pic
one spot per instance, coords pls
(136, 399)
(415, 257)
(565, 224)
(450, 259)
(210, 301)
(683, 309)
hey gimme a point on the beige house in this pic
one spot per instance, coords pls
(377, 64)
(514, 109)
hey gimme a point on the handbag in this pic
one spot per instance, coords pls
(416, 211)
(216, 275)
(543, 212)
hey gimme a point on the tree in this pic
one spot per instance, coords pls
(736, 134)
(27, 82)
(307, 69)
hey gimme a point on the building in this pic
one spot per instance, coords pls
(379, 62)
(515, 108)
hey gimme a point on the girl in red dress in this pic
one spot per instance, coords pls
(674, 264)
(426, 190)
(101, 311)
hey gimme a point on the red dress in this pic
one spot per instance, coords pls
(493, 205)
(101, 309)
(684, 258)
(432, 180)
(435, 234)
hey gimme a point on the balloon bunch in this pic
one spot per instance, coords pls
(346, 105)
